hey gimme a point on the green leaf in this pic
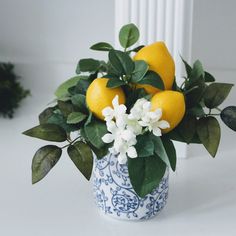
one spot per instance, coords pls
(228, 116)
(136, 49)
(162, 152)
(102, 46)
(175, 87)
(89, 119)
(94, 131)
(65, 107)
(146, 174)
(82, 156)
(49, 132)
(43, 161)
(128, 35)
(133, 95)
(79, 101)
(80, 88)
(193, 97)
(76, 117)
(140, 69)
(114, 83)
(187, 127)
(196, 111)
(188, 68)
(208, 77)
(99, 152)
(170, 151)
(197, 70)
(153, 79)
(121, 62)
(87, 65)
(208, 130)
(58, 119)
(216, 93)
(44, 116)
(62, 90)
(144, 145)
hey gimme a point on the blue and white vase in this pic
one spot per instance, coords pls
(115, 196)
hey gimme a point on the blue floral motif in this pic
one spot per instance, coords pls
(115, 196)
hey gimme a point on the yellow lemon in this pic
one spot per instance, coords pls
(172, 104)
(98, 96)
(160, 61)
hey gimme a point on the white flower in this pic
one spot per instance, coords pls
(115, 112)
(152, 121)
(123, 139)
(123, 128)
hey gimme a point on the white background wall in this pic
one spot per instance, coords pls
(45, 39)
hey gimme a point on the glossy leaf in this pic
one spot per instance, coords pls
(188, 68)
(65, 107)
(44, 115)
(44, 160)
(94, 133)
(128, 35)
(170, 151)
(208, 77)
(121, 62)
(145, 174)
(136, 49)
(49, 132)
(144, 145)
(80, 88)
(114, 83)
(153, 79)
(102, 46)
(216, 93)
(76, 117)
(82, 156)
(140, 69)
(228, 115)
(58, 119)
(78, 100)
(87, 65)
(197, 70)
(62, 90)
(187, 127)
(208, 130)
(161, 151)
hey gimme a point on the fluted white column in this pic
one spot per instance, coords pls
(160, 20)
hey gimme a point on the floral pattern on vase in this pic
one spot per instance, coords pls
(115, 196)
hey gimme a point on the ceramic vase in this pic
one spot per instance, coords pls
(115, 196)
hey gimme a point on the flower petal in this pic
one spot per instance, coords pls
(108, 138)
(156, 131)
(115, 101)
(111, 126)
(108, 111)
(163, 124)
(121, 109)
(131, 152)
(122, 158)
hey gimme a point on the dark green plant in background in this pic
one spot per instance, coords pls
(11, 91)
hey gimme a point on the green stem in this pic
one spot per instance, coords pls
(190, 90)
(218, 109)
(70, 142)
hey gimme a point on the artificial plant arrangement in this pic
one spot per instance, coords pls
(132, 107)
(11, 91)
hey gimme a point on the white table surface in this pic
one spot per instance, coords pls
(202, 197)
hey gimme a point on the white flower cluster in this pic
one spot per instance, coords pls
(123, 128)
